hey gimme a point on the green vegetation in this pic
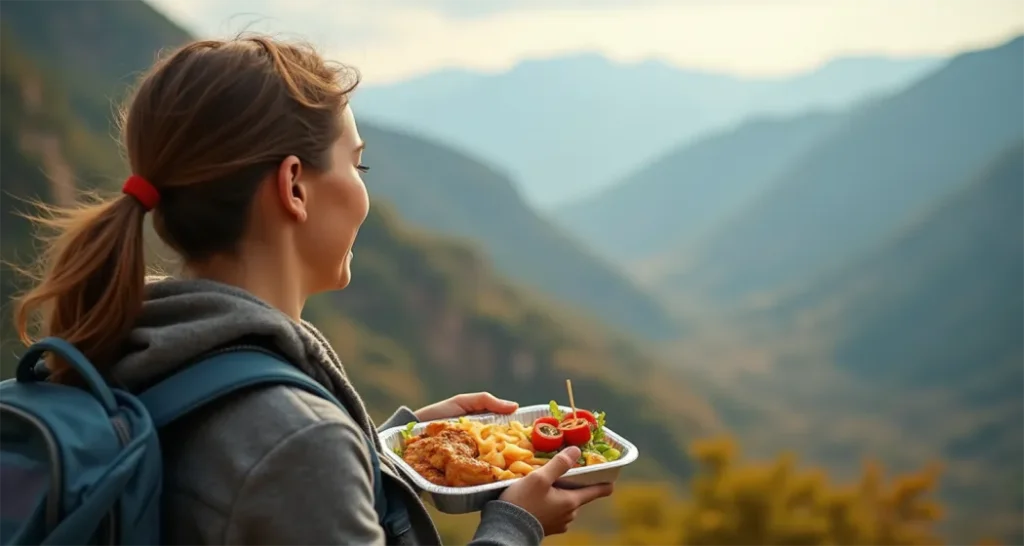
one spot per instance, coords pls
(46, 151)
(97, 50)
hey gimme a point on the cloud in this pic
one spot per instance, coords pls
(752, 38)
(469, 9)
(396, 39)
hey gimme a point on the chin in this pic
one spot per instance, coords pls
(344, 276)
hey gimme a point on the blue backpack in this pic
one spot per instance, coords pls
(84, 466)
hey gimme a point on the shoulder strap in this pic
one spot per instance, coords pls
(225, 373)
(219, 375)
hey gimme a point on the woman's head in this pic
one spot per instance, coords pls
(254, 152)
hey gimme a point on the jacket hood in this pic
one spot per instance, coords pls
(183, 319)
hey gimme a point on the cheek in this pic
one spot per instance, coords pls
(341, 213)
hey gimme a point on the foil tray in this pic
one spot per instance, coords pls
(461, 500)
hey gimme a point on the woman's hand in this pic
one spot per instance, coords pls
(464, 404)
(553, 507)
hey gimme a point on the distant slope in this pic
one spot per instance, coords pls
(121, 42)
(942, 303)
(895, 157)
(46, 152)
(440, 189)
(670, 203)
(939, 310)
(912, 351)
(566, 127)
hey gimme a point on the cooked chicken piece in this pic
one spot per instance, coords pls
(432, 474)
(467, 472)
(445, 455)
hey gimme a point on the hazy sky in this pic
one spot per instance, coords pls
(395, 39)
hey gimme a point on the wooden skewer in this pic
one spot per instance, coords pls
(568, 386)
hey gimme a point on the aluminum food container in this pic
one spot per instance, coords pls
(461, 500)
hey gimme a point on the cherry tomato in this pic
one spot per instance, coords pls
(576, 431)
(583, 414)
(549, 420)
(546, 436)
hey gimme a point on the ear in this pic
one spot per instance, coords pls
(291, 189)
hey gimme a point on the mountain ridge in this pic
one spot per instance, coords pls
(673, 201)
(476, 203)
(895, 155)
(572, 125)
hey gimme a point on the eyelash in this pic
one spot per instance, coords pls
(362, 168)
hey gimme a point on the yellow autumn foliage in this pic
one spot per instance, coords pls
(730, 501)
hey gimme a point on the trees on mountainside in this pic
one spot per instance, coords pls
(733, 502)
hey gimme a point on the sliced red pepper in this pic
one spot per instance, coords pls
(583, 414)
(576, 431)
(546, 436)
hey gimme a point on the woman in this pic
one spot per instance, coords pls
(248, 155)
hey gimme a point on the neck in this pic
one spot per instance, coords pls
(262, 273)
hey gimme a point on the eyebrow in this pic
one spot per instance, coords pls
(361, 147)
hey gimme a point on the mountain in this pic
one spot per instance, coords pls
(566, 127)
(440, 189)
(426, 317)
(893, 157)
(96, 76)
(673, 201)
(46, 149)
(941, 300)
(935, 315)
(911, 352)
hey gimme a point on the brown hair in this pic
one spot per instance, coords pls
(205, 126)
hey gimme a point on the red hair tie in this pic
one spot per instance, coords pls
(143, 192)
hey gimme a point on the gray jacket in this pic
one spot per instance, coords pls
(275, 465)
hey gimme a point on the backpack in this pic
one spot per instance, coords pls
(84, 465)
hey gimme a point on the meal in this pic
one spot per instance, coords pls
(464, 452)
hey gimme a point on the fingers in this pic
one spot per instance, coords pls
(590, 493)
(559, 465)
(485, 401)
(562, 526)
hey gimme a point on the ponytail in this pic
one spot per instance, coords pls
(91, 287)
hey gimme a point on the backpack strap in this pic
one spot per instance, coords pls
(226, 373)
